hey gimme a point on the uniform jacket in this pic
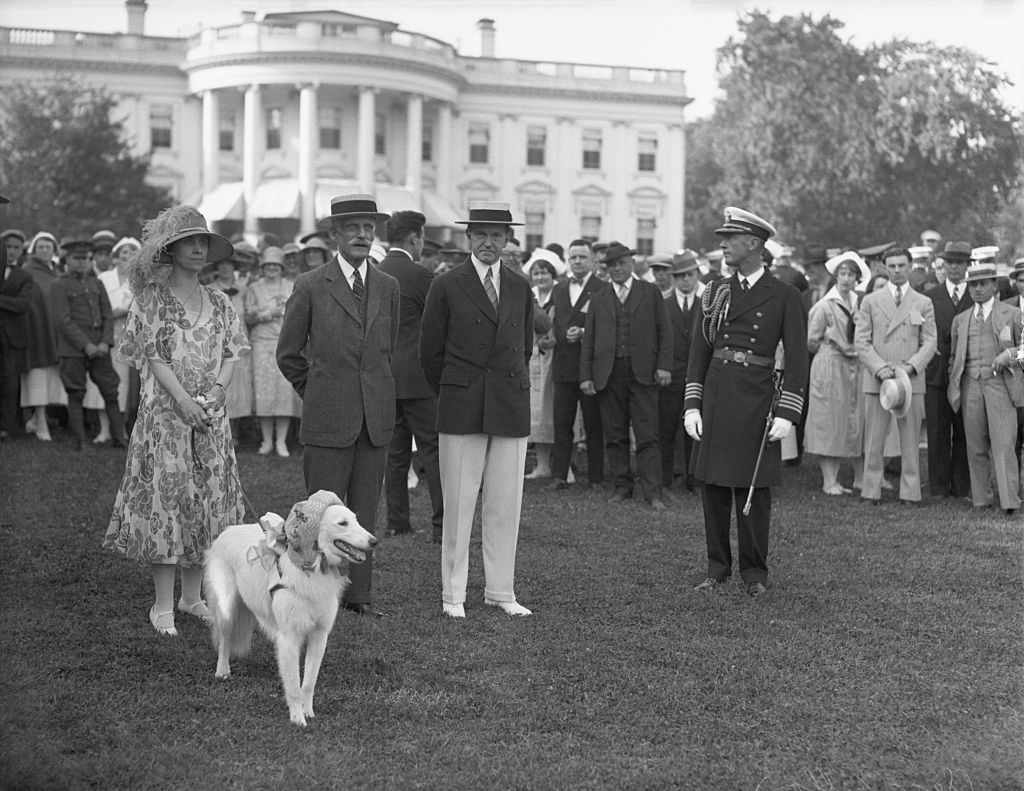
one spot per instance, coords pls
(338, 363)
(734, 399)
(682, 333)
(650, 335)
(565, 362)
(413, 284)
(42, 348)
(81, 314)
(887, 335)
(938, 369)
(1006, 327)
(16, 292)
(476, 360)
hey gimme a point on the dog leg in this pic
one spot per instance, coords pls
(315, 648)
(288, 666)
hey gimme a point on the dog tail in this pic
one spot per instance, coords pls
(233, 622)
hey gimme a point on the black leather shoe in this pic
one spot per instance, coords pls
(755, 589)
(708, 584)
(363, 609)
(620, 496)
(557, 485)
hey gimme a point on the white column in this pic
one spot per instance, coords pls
(675, 181)
(365, 147)
(616, 156)
(309, 147)
(414, 146)
(565, 157)
(509, 158)
(211, 141)
(253, 141)
(444, 166)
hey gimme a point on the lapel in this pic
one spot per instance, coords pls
(585, 294)
(505, 297)
(474, 289)
(758, 293)
(635, 298)
(1000, 318)
(901, 312)
(339, 288)
(372, 293)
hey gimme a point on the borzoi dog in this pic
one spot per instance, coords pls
(288, 576)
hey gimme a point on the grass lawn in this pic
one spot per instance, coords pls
(886, 655)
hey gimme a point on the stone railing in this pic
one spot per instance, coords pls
(71, 45)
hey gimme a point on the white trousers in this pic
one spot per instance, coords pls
(469, 463)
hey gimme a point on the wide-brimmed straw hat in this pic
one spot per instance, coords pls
(357, 205)
(895, 394)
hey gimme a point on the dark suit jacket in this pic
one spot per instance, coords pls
(1014, 300)
(922, 280)
(650, 335)
(413, 283)
(338, 363)
(565, 362)
(476, 360)
(15, 299)
(1007, 325)
(682, 329)
(937, 374)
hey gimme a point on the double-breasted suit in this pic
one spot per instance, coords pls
(336, 351)
(624, 344)
(888, 335)
(16, 289)
(988, 401)
(948, 475)
(670, 399)
(565, 373)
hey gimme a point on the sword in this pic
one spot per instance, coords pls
(777, 376)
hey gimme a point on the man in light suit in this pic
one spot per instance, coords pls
(476, 341)
(987, 385)
(337, 338)
(895, 329)
(626, 357)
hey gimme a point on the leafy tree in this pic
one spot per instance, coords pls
(67, 164)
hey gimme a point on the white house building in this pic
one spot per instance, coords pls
(262, 122)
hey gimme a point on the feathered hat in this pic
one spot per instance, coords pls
(168, 227)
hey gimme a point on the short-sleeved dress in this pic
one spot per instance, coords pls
(180, 487)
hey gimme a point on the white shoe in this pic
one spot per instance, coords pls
(510, 607)
(536, 473)
(265, 449)
(454, 610)
(282, 450)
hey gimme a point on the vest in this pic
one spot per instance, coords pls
(981, 348)
(621, 329)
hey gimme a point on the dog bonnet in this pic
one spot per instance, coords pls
(302, 527)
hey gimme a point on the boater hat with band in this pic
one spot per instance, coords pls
(489, 213)
(353, 206)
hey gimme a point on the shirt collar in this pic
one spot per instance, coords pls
(347, 269)
(903, 289)
(753, 278)
(986, 307)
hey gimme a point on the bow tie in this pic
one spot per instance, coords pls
(578, 280)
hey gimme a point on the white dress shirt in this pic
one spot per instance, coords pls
(495, 270)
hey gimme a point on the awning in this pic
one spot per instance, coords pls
(276, 199)
(391, 199)
(223, 203)
(326, 189)
(439, 212)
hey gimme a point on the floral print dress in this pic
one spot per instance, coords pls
(180, 487)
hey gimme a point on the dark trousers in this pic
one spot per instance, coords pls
(73, 371)
(414, 417)
(356, 475)
(566, 397)
(623, 401)
(751, 531)
(12, 363)
(671, 435)
(948, 473)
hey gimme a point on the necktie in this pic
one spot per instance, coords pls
(492, 293)
(623, 293)
(957, 294)
(744, 285)
(357, 286)
(899, 295)
(978, 315)
(689, 302)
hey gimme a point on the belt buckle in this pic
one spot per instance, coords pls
(739, 357)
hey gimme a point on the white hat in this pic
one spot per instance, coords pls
(774, 248)
(833, 264)
(543, 254)
(896, 394)
(920, 251)
(985, 253)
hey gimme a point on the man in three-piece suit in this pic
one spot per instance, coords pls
(895, 329)
(337, 339)
(730, 390)
(415, 401)
(626, 357)
(987, 385)
(16, 288)
(948, 474)
(571, 302)
(683, 304)
(476, 342)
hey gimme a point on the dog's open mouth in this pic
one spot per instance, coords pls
(354, 555)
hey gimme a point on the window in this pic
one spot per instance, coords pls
(227, 133)
(427, 143)
(479, 143)
(590, 227)
(330, 127)
(645, 236)
(161, 123)
(647, 153)
(380, 146)
(534, 229)
(536, 141)
(591, 149)
(274, 128)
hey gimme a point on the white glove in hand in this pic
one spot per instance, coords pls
(780, 429)
(694, 424)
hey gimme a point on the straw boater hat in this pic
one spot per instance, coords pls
(978, 272)
(833, 264)
(358, 205)
(159, 234)
(895, 394)
(489, 213)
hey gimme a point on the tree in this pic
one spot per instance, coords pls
(67, 164)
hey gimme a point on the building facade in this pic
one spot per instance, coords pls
(262, 122)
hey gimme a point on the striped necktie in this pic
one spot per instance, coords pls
(899, 295)
(492, 293)
(357, 286)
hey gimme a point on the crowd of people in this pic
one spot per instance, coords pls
(661, 377)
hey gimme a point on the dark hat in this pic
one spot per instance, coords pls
(489, 213)
(183, 222)
(956, 252)
(615, 251)
(431, 246)
(814, 254)
(353, 206)
(72, 243)
(313, 235)
(599, 246)
(684, 261)
(976, 272)
(4, 199)
(739, 221)
(557, 249)
(104, 240)
(14, 232)
(660, 261)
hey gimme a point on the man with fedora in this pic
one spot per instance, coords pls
(682, 304)
(337, 339)
(475, 344)
(987, 385)
(572, 301)
(948, 474)
(731, 385)
(626, 357)
(895, 336)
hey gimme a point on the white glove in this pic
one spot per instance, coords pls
(693, 423)
(780, 429)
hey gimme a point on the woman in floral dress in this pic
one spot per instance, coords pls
(180, 486)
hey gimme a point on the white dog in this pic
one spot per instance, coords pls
(288, 576)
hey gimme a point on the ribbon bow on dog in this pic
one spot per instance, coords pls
(273, 545)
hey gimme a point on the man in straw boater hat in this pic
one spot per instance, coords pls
(987, 385)
(338, 335)
(476, 341)
(732, 388)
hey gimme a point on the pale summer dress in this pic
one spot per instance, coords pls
(180, 487)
